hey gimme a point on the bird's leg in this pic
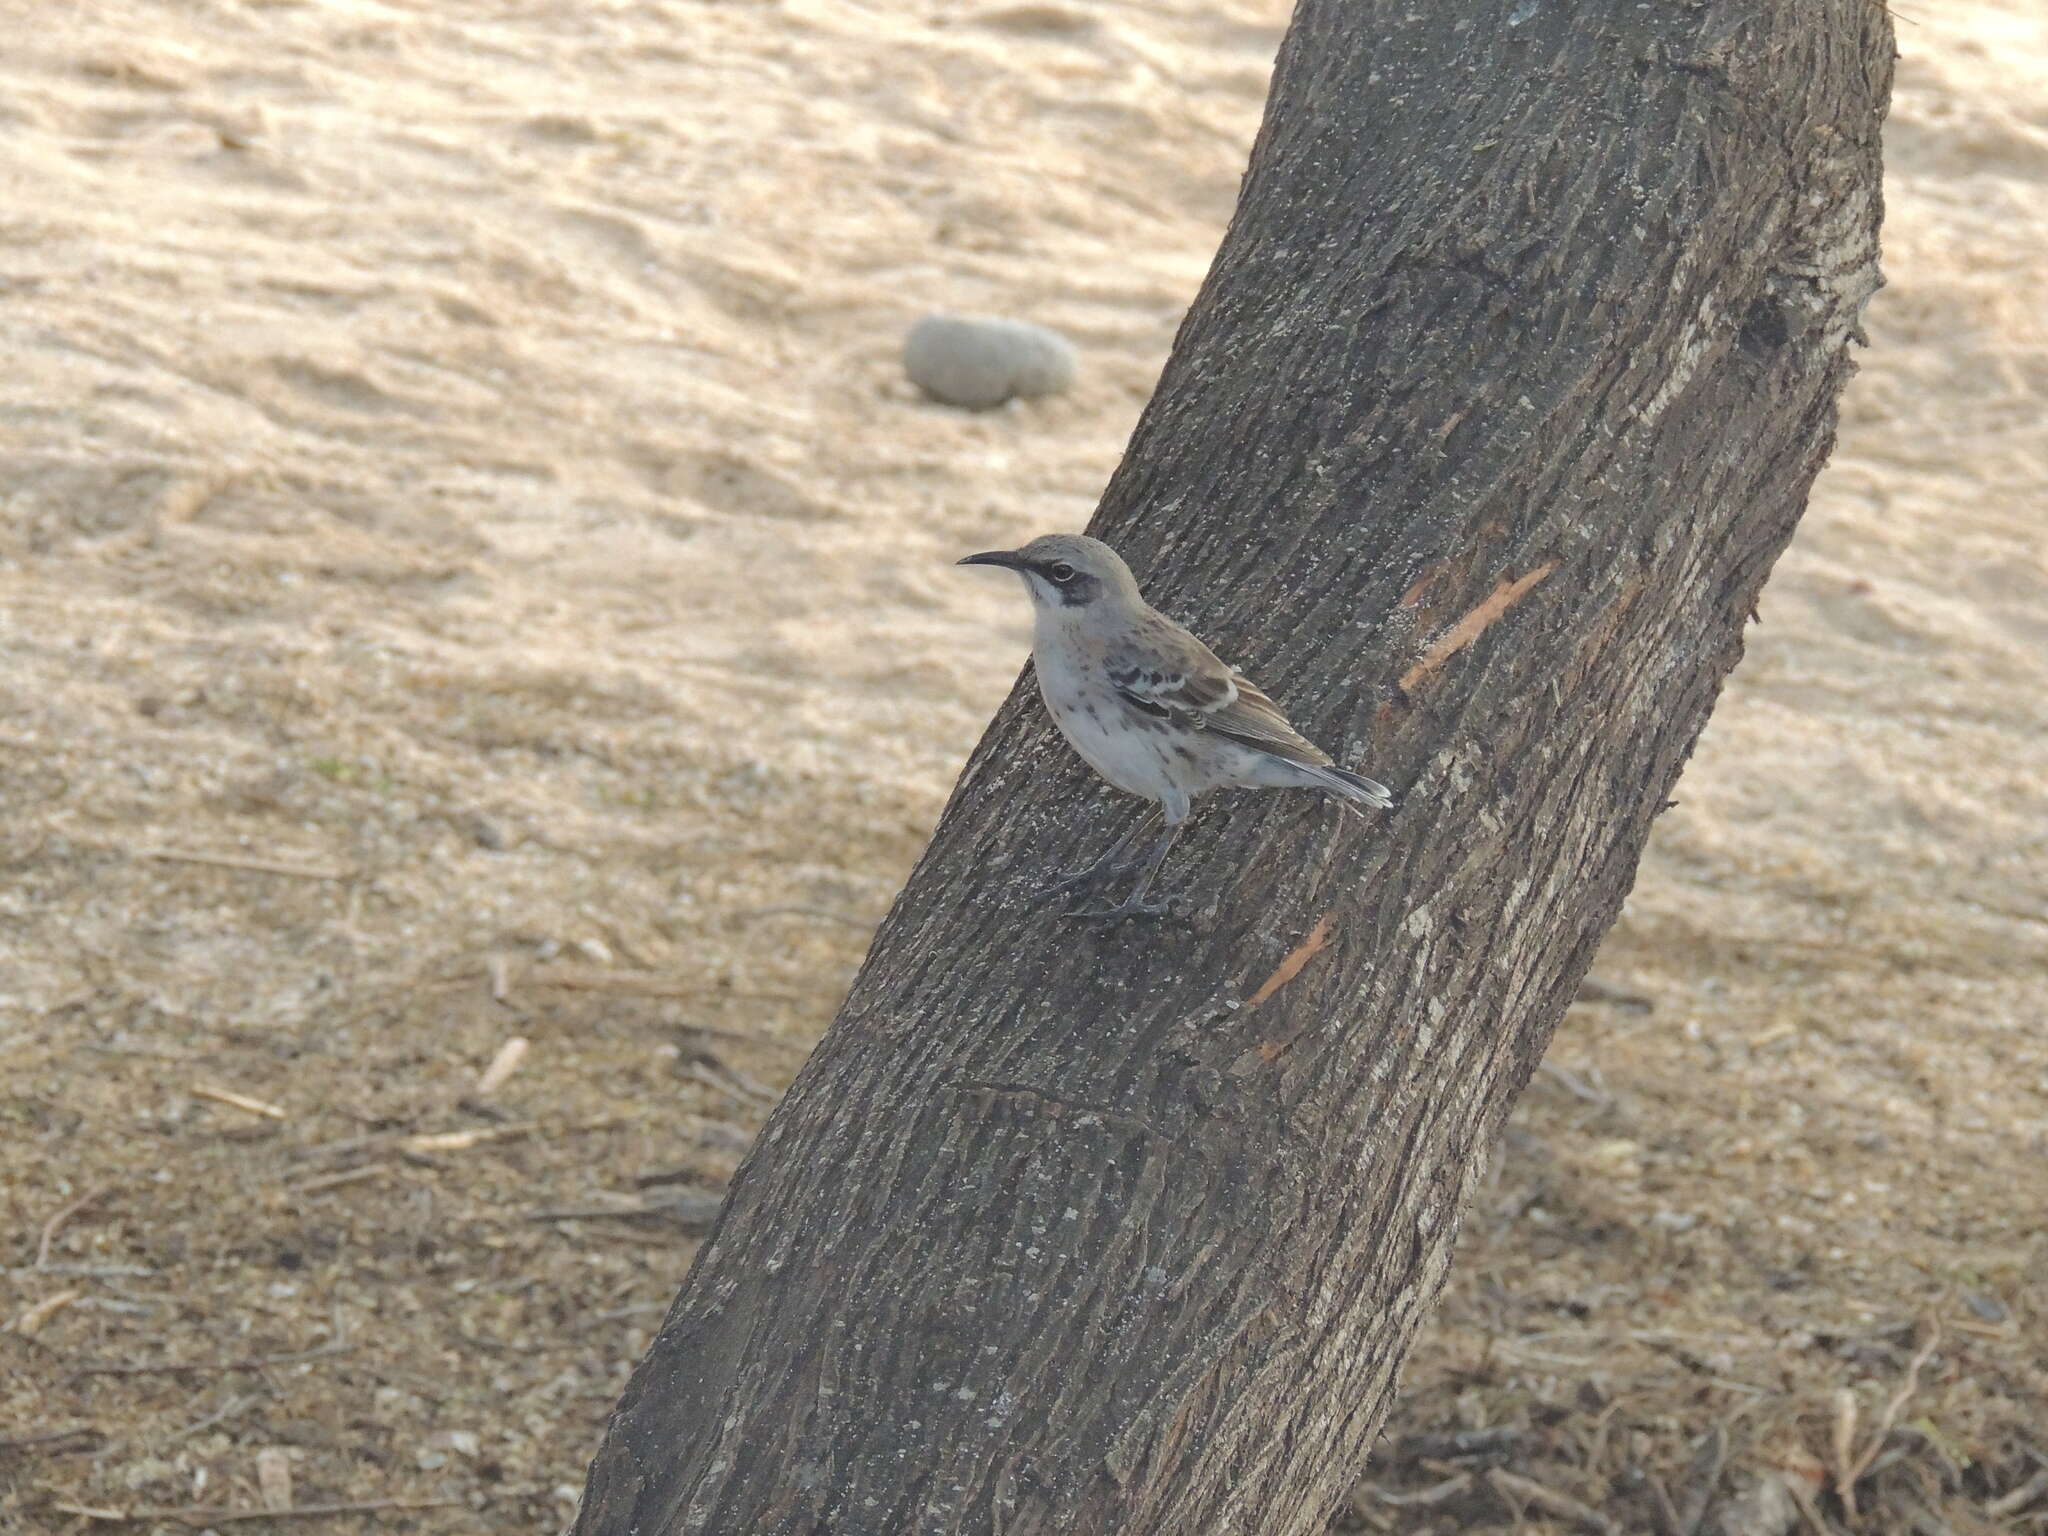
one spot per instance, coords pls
(1135, 904)
(1109, 865)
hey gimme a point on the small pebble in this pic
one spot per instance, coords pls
(1989, 1308)
(486, 833)
(978, 362)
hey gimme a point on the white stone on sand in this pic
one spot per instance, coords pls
(978, 361)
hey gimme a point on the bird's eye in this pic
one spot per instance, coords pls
(1060, 572)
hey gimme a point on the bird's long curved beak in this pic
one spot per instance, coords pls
(1006, 558)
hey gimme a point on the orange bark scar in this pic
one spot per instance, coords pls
(1299, 956)
(1474, 624)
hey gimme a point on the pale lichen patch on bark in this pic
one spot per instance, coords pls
(1833, 273)
(1703, 335)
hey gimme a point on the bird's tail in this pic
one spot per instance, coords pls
(1355, 788)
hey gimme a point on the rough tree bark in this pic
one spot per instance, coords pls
(1505, 391)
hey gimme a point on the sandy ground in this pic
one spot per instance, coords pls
(470, 568)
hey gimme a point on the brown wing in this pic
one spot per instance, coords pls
(1176, 678)
(1255, 720)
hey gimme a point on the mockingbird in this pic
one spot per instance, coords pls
(1151, 708)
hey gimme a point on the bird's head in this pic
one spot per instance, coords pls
(1065, 570)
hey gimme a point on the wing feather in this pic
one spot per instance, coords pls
(1255, 720)
(1172, 678)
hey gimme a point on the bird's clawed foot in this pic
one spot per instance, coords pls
(1135, 904)
(1113, 865)
(1132, 908)
(1095, 875)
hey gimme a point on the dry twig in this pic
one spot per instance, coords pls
(586, 978)
(200, 1514)
(502, 1066)
(745, 1037)
(1669, 1521)
(1574, 1085)
(1851, 1464)
(220, 1415)
(196, 1367)
(1593, 990)
(462, 1141)
(1422, 1498)
(721, 1078)
(246, 861)
(1705, 1477)
(51, 1227)
(235, 1100)
(825, 914)
(2012, 1503)
(692, 1211)
(1802, 1500)
(1516, 1492)
(419, 1143)
(46, 1437)
(1458, 1444)
(31, 1321)
(324, 1181)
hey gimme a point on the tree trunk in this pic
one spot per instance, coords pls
(1505, 392)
